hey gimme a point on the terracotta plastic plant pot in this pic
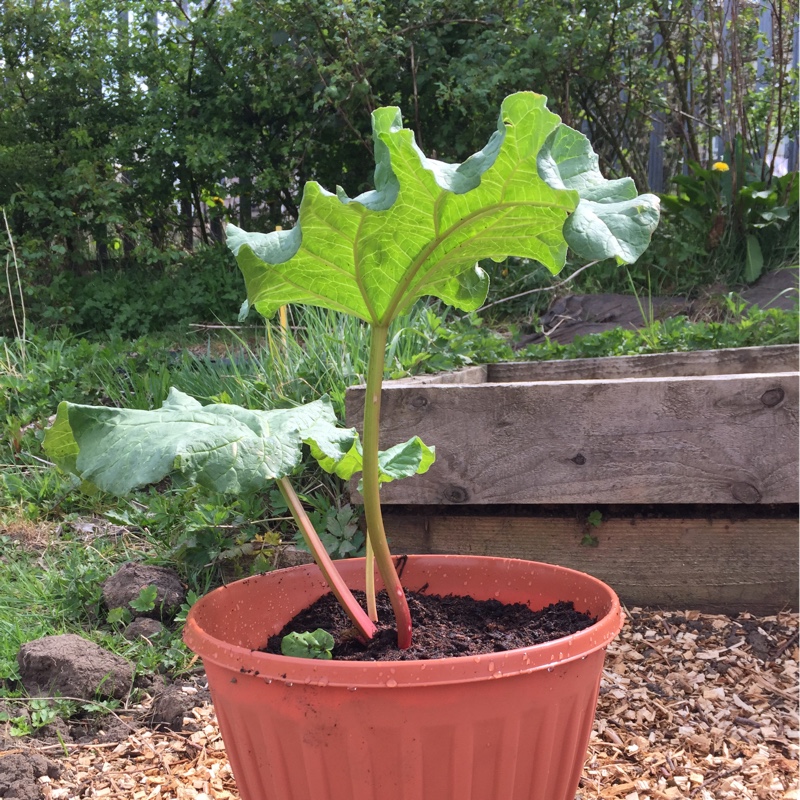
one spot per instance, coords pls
(504, 726)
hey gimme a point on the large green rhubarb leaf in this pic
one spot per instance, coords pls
(426, 223)
(222, 447)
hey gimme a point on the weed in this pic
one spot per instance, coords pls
(145, 602)
(119, 616)
(39, 713)
(593, 522)
(58, 589)
(715, 230)
(338, 528)
(191, 598)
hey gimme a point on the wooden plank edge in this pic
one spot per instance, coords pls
(735, 361)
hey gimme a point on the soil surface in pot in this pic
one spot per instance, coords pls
(444, 627)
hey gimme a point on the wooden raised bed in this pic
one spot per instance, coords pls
(691, 458)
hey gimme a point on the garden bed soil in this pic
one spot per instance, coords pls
(444, 627)
(583, 315)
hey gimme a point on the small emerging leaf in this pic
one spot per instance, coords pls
(311, 644)
(146, 601)
(595, 518)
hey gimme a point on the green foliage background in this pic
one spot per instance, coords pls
(130, 132)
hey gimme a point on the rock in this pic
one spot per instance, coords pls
(143, 626)
(71, 666)
(173, 703)
(19, 774)
(291, 556)
(126, 584)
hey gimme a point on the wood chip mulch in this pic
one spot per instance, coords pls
(692, 706)
(698, 706)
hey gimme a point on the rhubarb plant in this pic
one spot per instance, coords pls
(533, 191)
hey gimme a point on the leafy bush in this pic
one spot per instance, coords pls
(714, 229)
(201, 287)
(338, 529)
(128, 139)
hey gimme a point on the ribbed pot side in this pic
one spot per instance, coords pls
(503, 726)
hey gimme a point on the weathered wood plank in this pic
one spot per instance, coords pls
(739, 361)
(469, 375)
(715, 439)
(715, 565)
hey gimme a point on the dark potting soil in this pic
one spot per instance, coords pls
(444, 627)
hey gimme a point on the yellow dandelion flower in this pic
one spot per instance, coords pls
(720, 166)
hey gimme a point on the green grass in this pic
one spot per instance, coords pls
(53, 584)
(323, 353)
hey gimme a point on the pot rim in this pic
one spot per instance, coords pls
(372, 674)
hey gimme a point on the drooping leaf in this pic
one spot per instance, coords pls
(222, 447)
(754, 263)
(426, 223)
(59, 442)
(611, 220)
(413, 457)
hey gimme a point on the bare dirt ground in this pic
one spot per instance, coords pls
(580, 315)
(691, 706)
